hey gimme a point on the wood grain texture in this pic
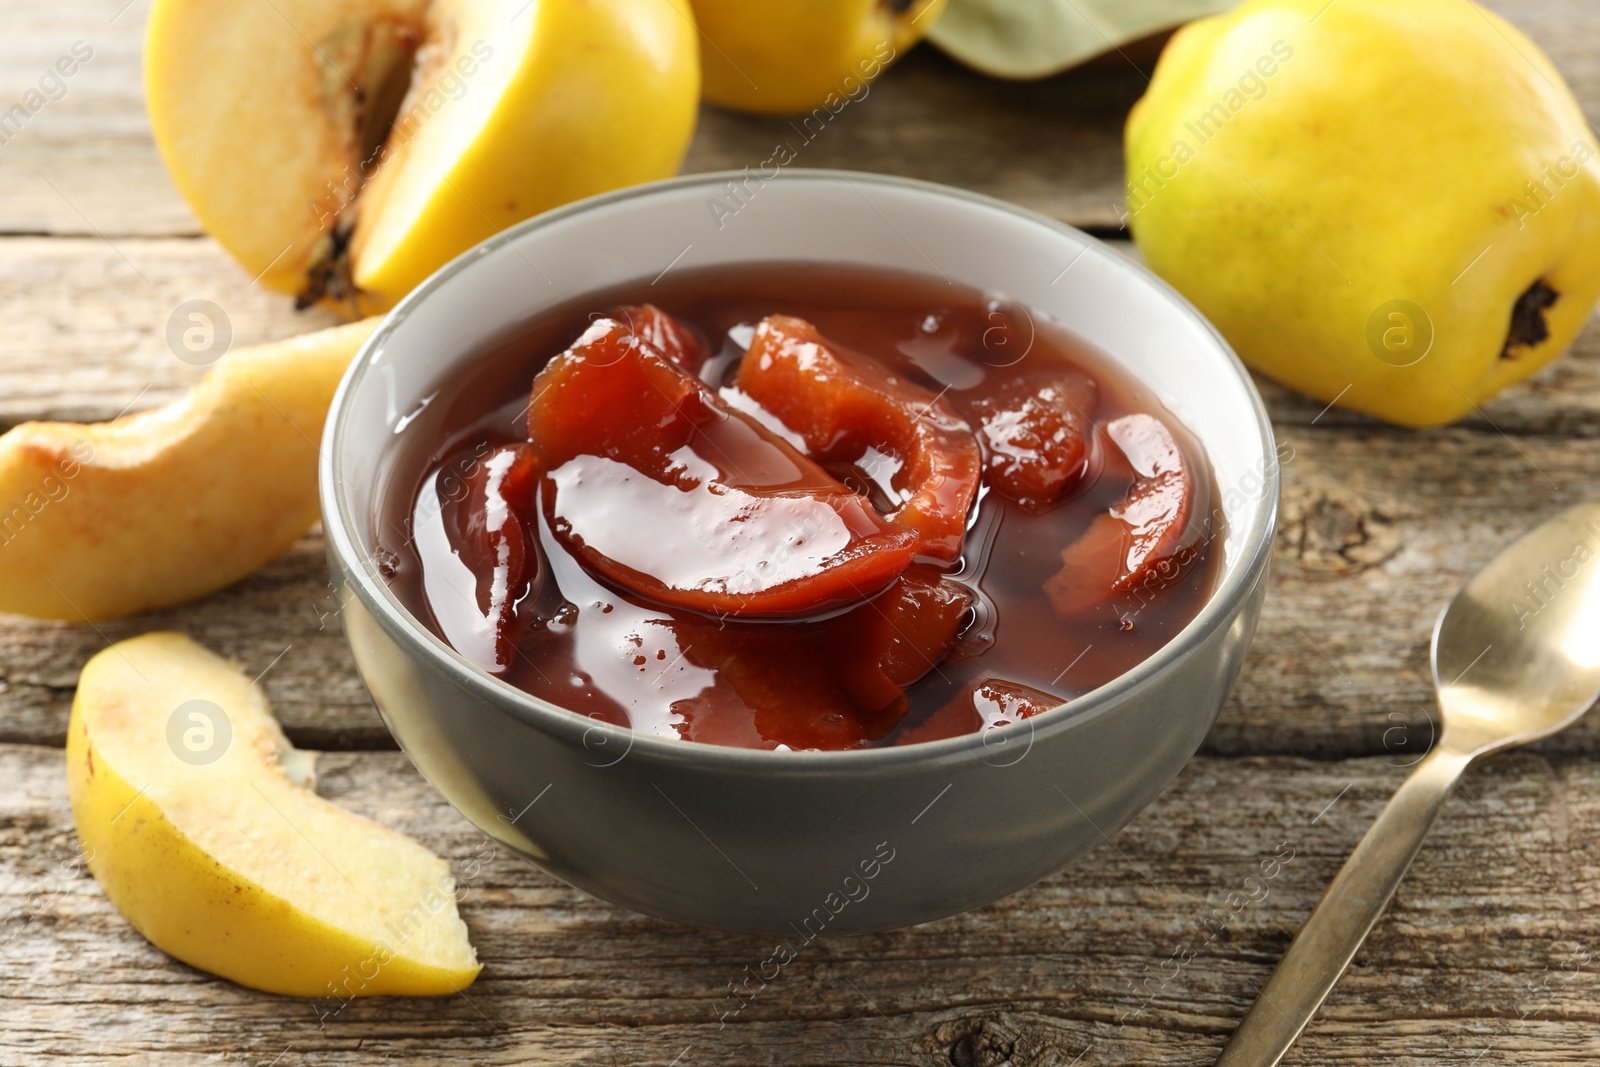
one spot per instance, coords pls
(1474, 964)
(87, 322)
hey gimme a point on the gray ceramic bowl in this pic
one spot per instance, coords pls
(782, 843)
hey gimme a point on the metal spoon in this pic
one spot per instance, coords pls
(1516, 657)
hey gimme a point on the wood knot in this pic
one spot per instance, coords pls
(976, 1043)
(1332, 530)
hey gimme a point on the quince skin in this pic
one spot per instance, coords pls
(785, 57)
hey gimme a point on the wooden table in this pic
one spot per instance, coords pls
(1488, 956)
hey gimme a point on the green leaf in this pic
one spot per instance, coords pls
(1037, 38)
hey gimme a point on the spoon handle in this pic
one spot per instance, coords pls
(1344, 916)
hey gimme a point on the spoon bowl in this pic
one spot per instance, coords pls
(1516, 653)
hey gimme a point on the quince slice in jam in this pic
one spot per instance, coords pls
(828, 683)
(818, 685)
(491, 520)
(1036, 431)
(925, 612)
(663, 333)
(655, 484)
(1132, 542)
(848, 408)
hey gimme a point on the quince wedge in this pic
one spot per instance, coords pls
(344, 150)
(196, 818)
(1390, 206)
(153, 509)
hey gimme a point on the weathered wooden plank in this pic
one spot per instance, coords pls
(86, 163)
(283, 617)
(87, 321)
(1380, 527)
(1488, 955)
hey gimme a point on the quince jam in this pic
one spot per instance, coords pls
(799, 507)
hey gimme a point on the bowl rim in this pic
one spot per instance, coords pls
(361, 571)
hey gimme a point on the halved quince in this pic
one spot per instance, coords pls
(194, 813)
(167, 505)
(346, 149)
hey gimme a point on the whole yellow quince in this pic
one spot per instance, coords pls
(1395, 206)
(783, 57)
(344, 150)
